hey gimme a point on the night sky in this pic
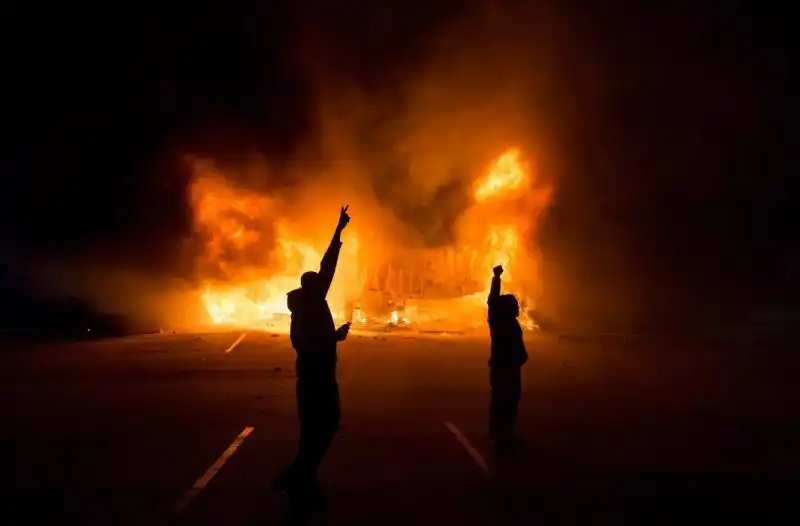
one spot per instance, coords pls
(668, 127)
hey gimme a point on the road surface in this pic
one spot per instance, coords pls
(190, 429)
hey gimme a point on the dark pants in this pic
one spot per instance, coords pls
(506, 383)
(319, 411)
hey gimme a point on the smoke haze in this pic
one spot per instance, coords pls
(643, 120)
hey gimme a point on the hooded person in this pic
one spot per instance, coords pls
(508, 355)
(314, 337)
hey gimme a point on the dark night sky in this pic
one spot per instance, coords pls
(679, 156)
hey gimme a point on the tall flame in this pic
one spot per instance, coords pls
(501, 216)
(502, 243)
(506, 176)
(254, 255)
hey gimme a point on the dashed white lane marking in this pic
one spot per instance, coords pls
(237, 342)
(201, 483)
(471, 450)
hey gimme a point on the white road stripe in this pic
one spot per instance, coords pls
(237, 342)
(471, 450)
(213, 470)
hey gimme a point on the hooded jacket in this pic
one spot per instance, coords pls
(508, 346)
(313, 333)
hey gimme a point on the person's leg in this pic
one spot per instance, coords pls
(310, 408)
(321, 422)
(514, 394)
(504, 378)
(329, 415)
(288, 478)
(332, 417)
(496, 404)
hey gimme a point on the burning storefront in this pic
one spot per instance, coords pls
(432, 290)
(255, 252)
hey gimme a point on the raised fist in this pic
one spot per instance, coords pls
(498, 270)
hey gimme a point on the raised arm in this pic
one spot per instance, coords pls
(494, 290)
(327, 267)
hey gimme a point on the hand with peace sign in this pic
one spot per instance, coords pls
(344, 218)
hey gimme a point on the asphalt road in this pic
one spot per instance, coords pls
(120, 431)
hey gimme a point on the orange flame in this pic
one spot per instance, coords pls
(496, 222)
(254, 255)
(261, 302)
(507, 175)
(503, 242)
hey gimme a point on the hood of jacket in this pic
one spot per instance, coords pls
(295, 300)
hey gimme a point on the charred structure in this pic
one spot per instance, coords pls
(257, 246)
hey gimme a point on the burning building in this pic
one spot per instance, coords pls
(255, 251)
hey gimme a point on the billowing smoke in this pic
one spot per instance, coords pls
(405, 124)
(457, 96)
(403, 144)
(405, 112)
(143, 301)
(397, 108)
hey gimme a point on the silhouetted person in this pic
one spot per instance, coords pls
(314, 337)
(508, 355)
